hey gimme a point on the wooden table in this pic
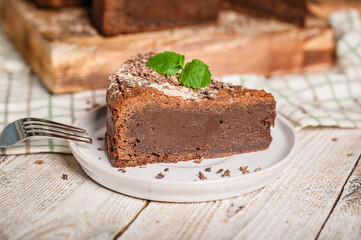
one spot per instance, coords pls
(318, 196)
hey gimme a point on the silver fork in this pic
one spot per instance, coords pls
(26, 128)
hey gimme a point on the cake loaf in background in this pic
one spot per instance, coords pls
(292, 11)
(113, 17)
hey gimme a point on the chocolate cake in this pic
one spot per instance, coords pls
(113, 17)
(293, 11)
(154, 118)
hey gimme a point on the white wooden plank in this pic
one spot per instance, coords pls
(345, 220)
(36, 203)
(294, 207)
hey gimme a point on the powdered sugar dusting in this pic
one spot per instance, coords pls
(173, 91)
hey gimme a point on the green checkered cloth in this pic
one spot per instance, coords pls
(330, 98)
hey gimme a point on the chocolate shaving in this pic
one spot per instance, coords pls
(64, 177)
(100, 158)
(244, 169)
(226, 173)
(334, 139)
(349, 154)
(219, 171)
(100, 149)
(121, 170)
(166, 170)
(208, 169)
(257, 169)
(160, 175)
(39, 162)
(100, 138)
(201, 176)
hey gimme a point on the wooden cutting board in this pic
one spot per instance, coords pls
(69, 55)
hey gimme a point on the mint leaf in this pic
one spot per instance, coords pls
(166, 63)
(195, 74)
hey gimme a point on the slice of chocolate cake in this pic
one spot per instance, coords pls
(154, 118)
(113, 17)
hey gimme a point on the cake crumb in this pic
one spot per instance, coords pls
(100, 138)
(100, 149)
(198, 161)
(166, 170)
(201, 176)
(208, 169)
(257, 169)
(159, 176)
(349, 154)
(64, 177)
(226, 173)
(244, 169)
(219, 171)
(334, 139)
(39, 162)
(121, 170)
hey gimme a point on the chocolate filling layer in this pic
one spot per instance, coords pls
(213, 130)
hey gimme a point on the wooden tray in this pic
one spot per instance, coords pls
(69, 55)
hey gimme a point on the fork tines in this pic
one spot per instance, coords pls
(42, 127)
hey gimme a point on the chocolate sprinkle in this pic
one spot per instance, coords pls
(208, 169)
(39, 162)
(334, 139)
(100, 149)
(121, 170)
(166, 170)
(100, 138)
(219, 171)
(226, 173)
(201, 176)
(160, 175)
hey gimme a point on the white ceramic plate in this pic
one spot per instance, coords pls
(181, 183)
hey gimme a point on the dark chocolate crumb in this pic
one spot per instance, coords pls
(226, 173)
(100, 138)
(334, 139)
(100, 149)
(201, 176)
(39, 162)
(208, 169)
(121, 170)
(219, 171)
(159, 176)
(349, 154)
(166, 170)
(243, 168)
(257, 169)
(64, 177)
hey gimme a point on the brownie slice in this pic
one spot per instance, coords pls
(59, 3)
(113, 17)
(293, 11)
(154, 118)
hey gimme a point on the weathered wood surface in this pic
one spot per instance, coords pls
(318, 195)
(69, 55)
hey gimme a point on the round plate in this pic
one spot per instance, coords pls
(181, 182)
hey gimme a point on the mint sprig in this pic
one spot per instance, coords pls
(195, 74)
